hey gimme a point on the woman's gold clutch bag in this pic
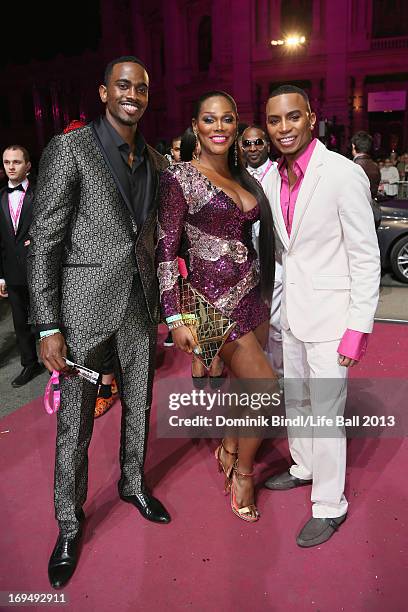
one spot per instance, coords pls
(212, 327)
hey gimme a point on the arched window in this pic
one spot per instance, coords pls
(296, 17)
(390, 18)
(204, 44)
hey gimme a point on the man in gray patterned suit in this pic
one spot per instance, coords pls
(93, 283)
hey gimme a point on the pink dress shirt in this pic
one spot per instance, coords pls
(353, 343)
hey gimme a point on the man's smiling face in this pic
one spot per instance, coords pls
(289, 122)
(126, 94)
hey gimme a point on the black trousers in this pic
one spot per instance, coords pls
(20, 303)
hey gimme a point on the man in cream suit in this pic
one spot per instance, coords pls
(331, 272)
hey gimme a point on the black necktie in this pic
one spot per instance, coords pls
(18, 188)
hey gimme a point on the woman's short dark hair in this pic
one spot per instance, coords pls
(249, 183)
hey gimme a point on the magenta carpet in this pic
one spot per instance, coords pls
(207, 559)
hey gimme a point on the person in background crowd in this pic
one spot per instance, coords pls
(108, 390)
(389, 178)
(331, 274)
(175, 149)
(255, 150)
(94, 227)
(394, 157)
(15, 218)
(241, 128)
(361, 144)
(402, 167)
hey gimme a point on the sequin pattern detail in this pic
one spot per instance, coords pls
(197, 193)
(231, 298)
(160, 232)
(209, 247)
(223, 266)
(167, 273)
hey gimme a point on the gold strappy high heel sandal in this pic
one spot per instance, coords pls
(244, 513)
(221, 466)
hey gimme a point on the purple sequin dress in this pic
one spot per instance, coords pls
(223, 264)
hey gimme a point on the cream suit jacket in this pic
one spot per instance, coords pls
(331, 262)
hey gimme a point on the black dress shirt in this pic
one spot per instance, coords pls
(139, 174)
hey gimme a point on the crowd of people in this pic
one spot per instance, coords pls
(285, 250)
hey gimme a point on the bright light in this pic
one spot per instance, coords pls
(295, 40)
(292, 41)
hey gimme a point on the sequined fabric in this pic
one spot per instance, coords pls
(167, 273)
(223, 262)
(212, 248)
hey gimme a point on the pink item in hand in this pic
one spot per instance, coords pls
(52, 394)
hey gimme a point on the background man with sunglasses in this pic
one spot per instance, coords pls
(255, 150)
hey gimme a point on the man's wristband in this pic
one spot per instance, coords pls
(48, 332)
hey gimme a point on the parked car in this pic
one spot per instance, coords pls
(393, 234)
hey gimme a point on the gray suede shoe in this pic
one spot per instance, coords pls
(319, 530)
(285, 481)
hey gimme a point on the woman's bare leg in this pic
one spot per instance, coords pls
(246, 360)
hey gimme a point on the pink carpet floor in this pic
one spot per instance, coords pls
(207, 559)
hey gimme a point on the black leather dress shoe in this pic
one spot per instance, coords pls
(149, 507)
(63, 560)
(319, 530)
(27, 374)
(285, 481)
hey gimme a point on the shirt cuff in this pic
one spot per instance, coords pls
(353, 344)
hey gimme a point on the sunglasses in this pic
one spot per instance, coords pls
(258, 143)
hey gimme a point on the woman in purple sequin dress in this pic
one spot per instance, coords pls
(213, 202)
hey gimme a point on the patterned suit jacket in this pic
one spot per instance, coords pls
(85, 247)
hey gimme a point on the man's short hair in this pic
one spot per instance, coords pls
(362, 142)
(255, 126)
(121, 60)
(17, 147)
(175, 139)
(288, 89)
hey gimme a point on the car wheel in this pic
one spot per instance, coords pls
(399, 259)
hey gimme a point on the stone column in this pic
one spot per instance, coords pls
(336, 104)
(241, 59)
(172, 19)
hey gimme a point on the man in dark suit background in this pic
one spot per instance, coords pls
(361, 144)
(93, 285)
(15, 217)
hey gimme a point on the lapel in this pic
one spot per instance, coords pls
(25, 212)
(113, 160)
(277, 211)
(309, 184)
(6, 212)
